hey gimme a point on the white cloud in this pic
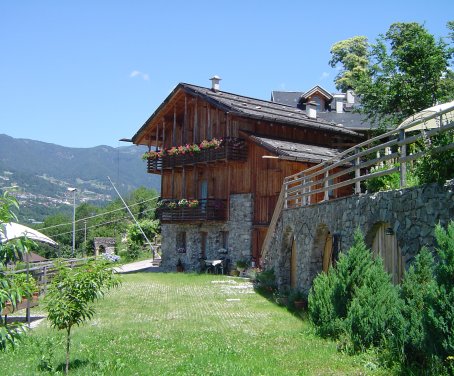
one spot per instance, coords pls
(324, 76)
(142, 75)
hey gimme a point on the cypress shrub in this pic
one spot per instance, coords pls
(374, 314)
(440, 320)
(321, 305)
(418, 288)
(351, 271)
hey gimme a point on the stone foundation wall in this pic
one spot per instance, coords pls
(239, 228)
(412, 213)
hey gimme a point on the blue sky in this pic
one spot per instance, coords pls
(86, 73)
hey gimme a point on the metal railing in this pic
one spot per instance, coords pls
(356, 165)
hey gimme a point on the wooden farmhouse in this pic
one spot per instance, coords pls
(222, 158)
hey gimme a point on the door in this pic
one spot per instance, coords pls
(293, 266)
(327, 252)
(203, 193)
(385, 245)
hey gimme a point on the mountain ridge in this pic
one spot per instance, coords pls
(43, 171)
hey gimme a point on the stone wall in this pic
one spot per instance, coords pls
(239, 228)
(412, 213)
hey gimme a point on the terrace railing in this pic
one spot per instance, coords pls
(379, 156)
(206, 210)
(231, 149)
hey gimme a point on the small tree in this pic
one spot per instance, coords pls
(70, 297)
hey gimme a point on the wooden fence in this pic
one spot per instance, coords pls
(355, 165)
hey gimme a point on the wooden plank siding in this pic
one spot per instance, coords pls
(190, 119)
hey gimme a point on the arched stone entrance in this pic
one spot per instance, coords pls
(104, 245)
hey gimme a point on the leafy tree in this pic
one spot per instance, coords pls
(353, 55)
(70, 296)
(405, 71)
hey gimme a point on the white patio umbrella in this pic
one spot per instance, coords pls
(427, 120)
(15, 230)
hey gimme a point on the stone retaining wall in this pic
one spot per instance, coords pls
(412, 213)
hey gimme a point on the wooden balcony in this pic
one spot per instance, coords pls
(231, 149)
(207, 210)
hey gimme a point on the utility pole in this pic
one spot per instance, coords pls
(74, 190)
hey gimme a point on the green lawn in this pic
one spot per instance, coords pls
(186, 324)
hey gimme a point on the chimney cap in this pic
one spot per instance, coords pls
(311, 103)
(215, 82)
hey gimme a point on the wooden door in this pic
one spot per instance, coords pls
(385, 245)
(327, 252)
(293, 266)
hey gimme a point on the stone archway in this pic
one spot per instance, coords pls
(104, 245)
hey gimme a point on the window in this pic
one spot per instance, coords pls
(181, 242)
(225, 240)
(203, 244)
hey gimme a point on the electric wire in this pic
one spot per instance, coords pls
(97, 215)
(99, 224)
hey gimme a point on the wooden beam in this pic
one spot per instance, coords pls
(196, 125)
(174, 129)
(163, 134)
(185, 121)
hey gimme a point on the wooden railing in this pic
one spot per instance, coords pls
(231, 149)
(206, 210)
(388, 152)
(43, 273)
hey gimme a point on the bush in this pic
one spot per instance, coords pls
(356, 298)
(417, 287)
(265, 281)
(441, 307)
(321, 305)
(436, 167)
(375, 310)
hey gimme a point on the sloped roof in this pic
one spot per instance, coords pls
(289, 98)
(296, 151)
(319, 89)
(350, 120)
(251, 108)
(263, 110)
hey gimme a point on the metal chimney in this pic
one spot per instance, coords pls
(350, 97)
(215, 83)
(311, 110)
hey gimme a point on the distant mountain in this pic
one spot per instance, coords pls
(43, 172)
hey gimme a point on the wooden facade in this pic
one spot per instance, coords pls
(239, 164)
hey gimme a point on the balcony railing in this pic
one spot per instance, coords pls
(231, 149)
(206, 210)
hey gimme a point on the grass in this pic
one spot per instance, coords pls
(185, 324)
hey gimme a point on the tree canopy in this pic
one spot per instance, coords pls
(405, 71)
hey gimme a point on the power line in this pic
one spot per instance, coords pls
(100, 224)
(97, 215)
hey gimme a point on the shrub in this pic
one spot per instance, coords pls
(375, 310)
(356, 299)
(321, 305)
(351, 271)
(417, 287)
(441, 308)
(436, 167)
(266, 281)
